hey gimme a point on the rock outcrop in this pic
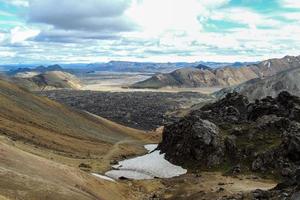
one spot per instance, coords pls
(262, 137)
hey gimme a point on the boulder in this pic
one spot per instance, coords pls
(195, 142)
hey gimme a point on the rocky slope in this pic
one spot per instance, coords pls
(221, 77)
(271, 86)
(43, 146)
(236, 136)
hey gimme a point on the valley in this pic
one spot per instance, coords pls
(93, 136)
(149, 100)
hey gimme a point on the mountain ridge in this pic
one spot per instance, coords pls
(257, 88)
(221, 77)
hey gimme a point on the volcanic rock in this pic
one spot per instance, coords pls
(263, 136)
(199, 143)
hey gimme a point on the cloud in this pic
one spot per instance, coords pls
(152, 30)
(20, 3)
(295, 16)
(157, 16)
(71, 36)
(243, 16)
(88, 15)
(4, 13)
(291, 3)
(20, 34)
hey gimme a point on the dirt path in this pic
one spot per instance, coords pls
(116, 148)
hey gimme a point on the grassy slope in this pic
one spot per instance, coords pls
(43, 142)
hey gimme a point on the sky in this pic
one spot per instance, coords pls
(88, 31)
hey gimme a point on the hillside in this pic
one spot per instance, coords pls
(43, 143)
(221, 77)
(271, 86)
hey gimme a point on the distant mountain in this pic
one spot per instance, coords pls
(116, 66)
(288, 80)
(240, 64)
(39, 69)
(203, 67)
(221, 77)
(48, 80)
(125, 66)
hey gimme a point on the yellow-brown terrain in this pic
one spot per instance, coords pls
(42, 144)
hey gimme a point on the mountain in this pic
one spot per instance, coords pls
(202, 67)
(240, 64)
(49, 150)
(195, 77)
(39, 69)
(57, 80)
(221, 77)
(47, 80)
(288, 80)
(126, 66)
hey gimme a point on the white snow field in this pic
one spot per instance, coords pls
(147, 166)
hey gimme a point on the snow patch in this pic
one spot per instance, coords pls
(150, 147)
(147, 166)
(267, 63)
(103, 177)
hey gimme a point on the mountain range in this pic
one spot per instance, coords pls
(220, 77)
(126, 66)
(39, 69)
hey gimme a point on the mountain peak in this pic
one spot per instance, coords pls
(203, 67)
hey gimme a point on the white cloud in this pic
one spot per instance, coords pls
(7, 54)
(243, 16)
(152, 30)
(4, 13)
(156, 16)
(20, 34)
(292, 16)
(21, 3)
(291, 3)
